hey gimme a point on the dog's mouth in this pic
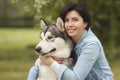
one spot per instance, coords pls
(43, 54)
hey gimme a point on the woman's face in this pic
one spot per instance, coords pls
(74, 25)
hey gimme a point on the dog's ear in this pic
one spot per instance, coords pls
(43, 23)
(60, 24)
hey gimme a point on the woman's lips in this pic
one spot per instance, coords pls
(70, 30)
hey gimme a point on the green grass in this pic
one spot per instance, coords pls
(17, 38)
(15, 65)
(17, 54)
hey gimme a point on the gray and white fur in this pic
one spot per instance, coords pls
(55, 42)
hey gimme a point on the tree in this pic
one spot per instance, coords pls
(105, 17)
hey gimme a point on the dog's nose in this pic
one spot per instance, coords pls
(38, 49)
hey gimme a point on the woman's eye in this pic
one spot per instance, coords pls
(66, 20)
(75, 19)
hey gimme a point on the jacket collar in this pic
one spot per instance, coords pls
(83, 36)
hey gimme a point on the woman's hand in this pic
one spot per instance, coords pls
(59, 60)
(48, 60)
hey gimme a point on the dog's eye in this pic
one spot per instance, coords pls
(50, 37)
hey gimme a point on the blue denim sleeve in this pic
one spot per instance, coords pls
(89, 54)
(33, 73)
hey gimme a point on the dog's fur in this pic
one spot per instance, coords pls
(54, 42)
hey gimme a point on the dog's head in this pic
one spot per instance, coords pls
(53, 40)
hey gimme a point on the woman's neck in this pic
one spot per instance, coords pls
(77, 37)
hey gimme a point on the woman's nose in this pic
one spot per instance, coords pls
(69, 23)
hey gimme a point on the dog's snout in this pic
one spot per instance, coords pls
(38, 49)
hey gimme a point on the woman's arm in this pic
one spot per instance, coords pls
(33, 73)
(88, 55)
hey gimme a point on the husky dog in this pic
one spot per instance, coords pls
(54, 42)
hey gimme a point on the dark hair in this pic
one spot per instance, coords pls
(83, 12)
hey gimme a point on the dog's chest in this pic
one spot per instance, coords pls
(46, 73)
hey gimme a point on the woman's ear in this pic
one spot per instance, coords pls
(85, 24)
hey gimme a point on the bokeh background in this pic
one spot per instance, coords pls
(19, 32)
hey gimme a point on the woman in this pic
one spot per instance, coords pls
(91, 62)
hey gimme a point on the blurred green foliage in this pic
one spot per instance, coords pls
(105, 17)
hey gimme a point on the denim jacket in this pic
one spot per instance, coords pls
(91, 62)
